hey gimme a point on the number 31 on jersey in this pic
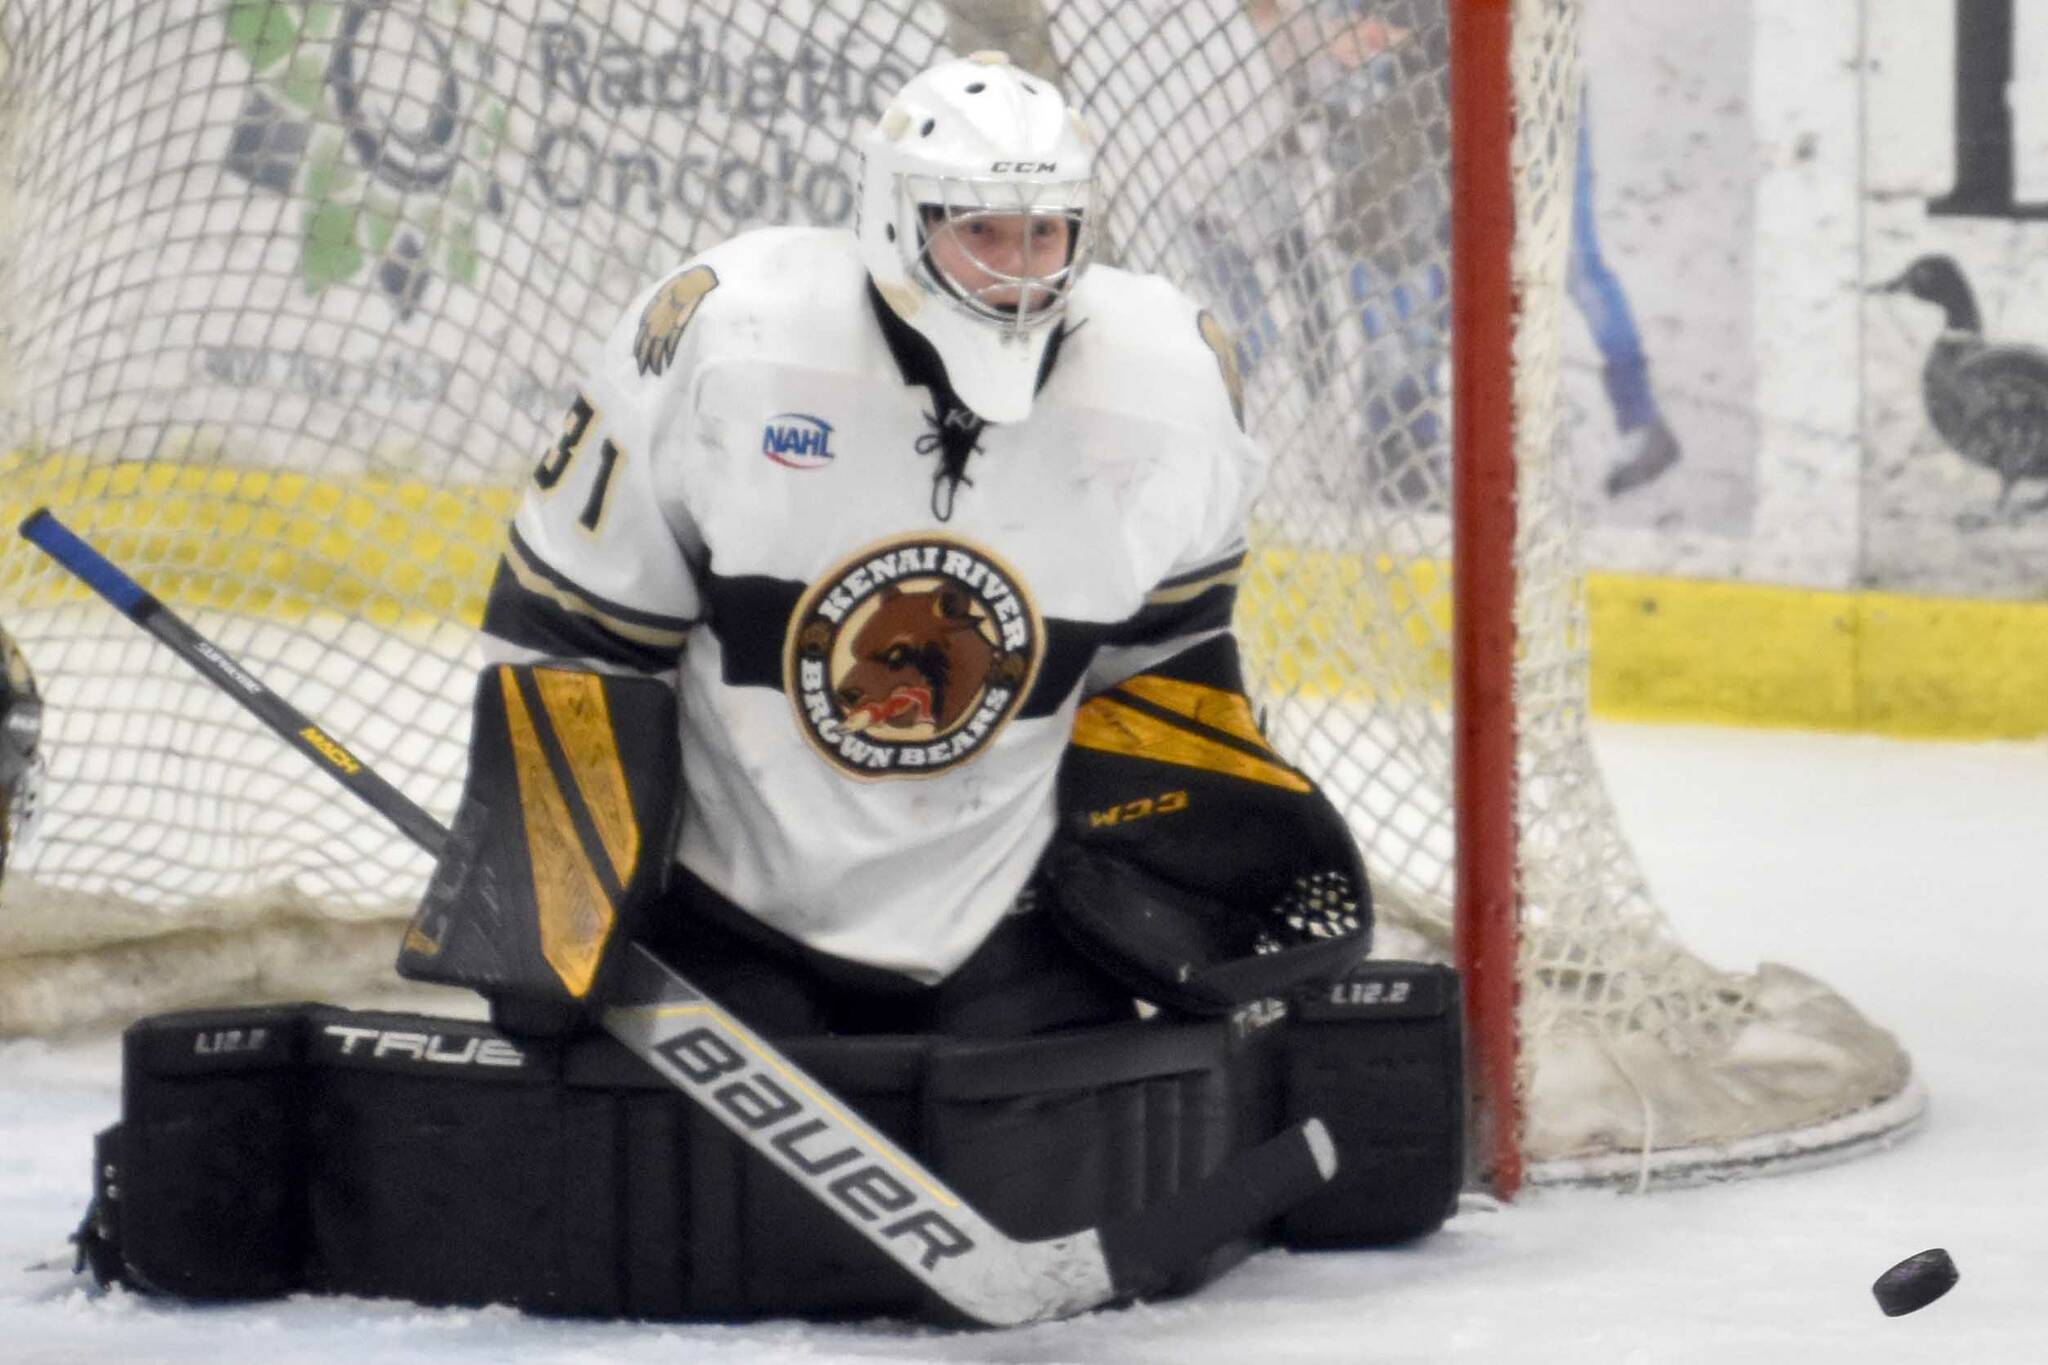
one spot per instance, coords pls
(553, 465)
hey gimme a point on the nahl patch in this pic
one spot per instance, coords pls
(798, 440)
(910, 657)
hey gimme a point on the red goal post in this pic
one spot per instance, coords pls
(1485, 304)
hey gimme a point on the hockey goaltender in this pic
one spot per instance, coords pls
(863, 738)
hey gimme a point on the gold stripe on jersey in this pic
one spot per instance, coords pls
(1228, 576)
(536, 580)
(1107, 726)
(576, 915)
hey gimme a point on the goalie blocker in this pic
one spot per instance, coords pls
(268, 1151)
(562, 840)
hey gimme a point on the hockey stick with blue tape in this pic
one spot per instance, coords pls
(781, 1112)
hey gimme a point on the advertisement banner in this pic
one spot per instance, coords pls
(424, 211)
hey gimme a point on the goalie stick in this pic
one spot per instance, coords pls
(781, 1112)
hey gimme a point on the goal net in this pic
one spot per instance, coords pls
(292, 293)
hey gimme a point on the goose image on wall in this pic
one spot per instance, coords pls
(1987, 401)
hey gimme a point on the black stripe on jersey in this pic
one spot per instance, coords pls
(541, 623)
(1186, 604)
(534, 605)
(750, 616)
(1070, 647)
(1230, 565)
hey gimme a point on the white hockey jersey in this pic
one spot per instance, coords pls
(878, 670)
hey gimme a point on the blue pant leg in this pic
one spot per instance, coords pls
(1598, 295)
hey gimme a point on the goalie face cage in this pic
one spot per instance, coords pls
(291, 292)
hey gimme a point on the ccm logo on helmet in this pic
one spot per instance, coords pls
(1026, 167)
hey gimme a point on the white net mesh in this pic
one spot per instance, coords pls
(290, 291)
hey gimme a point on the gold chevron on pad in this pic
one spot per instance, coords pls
(575, 913)
(583, 724)
(1215, 707)
(1109, 726)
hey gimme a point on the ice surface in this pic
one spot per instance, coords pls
(1909, 876)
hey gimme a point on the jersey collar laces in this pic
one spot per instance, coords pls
(977, 221)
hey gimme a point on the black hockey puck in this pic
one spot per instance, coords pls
(1915, 1282)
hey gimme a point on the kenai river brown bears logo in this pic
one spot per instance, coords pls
(908, 658)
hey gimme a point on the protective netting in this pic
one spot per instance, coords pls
(291, 292)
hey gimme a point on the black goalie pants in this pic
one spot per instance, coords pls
(1025, 979)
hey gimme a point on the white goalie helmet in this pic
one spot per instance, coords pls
(989, 155)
